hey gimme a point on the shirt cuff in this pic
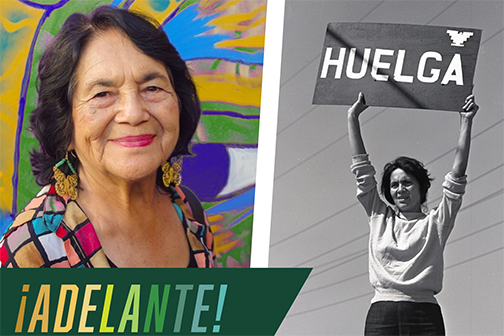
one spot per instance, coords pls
(360, 158)
(455, 185)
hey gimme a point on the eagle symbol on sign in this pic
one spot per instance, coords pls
(459, 38)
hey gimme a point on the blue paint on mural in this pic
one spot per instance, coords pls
(210, 159)
(239, 202)
(116, 3)
(159, 5)
(200, 45)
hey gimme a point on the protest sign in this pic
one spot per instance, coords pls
(397, 65)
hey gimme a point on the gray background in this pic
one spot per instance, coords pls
(316, 221)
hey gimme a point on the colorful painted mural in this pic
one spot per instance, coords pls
(221, 40)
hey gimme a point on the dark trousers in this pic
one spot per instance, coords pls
(404, 318)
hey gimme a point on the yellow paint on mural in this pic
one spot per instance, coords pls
(9, 101)
(222, 5)
(237, 18)
(145, 7)
(242, 78)
(210, 89)
(250, 27)
(224, 240)
(17, 67)
(14, 26)
(215, 218)
(256, 41)
(13, 68)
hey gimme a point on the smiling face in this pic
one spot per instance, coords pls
(124, 108)
(405, 191)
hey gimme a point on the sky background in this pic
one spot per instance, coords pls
(316, 220)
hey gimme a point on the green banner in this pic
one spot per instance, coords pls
(147, 301)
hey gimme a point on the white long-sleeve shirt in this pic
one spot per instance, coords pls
(406, 256)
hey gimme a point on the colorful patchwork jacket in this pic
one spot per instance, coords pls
(53, 231)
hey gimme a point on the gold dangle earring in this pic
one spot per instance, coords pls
(171, 173)
(65, 185)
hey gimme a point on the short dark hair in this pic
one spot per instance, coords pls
(411, 167)
(51, 121)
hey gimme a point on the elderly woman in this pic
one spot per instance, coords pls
(406, 241)
(116, 107)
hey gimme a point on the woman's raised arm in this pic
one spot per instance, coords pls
(464, 142)
(354, 131)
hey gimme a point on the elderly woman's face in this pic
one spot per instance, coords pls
(125, 110)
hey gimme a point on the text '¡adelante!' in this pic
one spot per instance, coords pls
(154, 315)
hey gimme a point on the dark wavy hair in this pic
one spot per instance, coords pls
(51, 121)
(410, 166)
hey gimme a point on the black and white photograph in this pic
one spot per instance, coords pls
(388, 177)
